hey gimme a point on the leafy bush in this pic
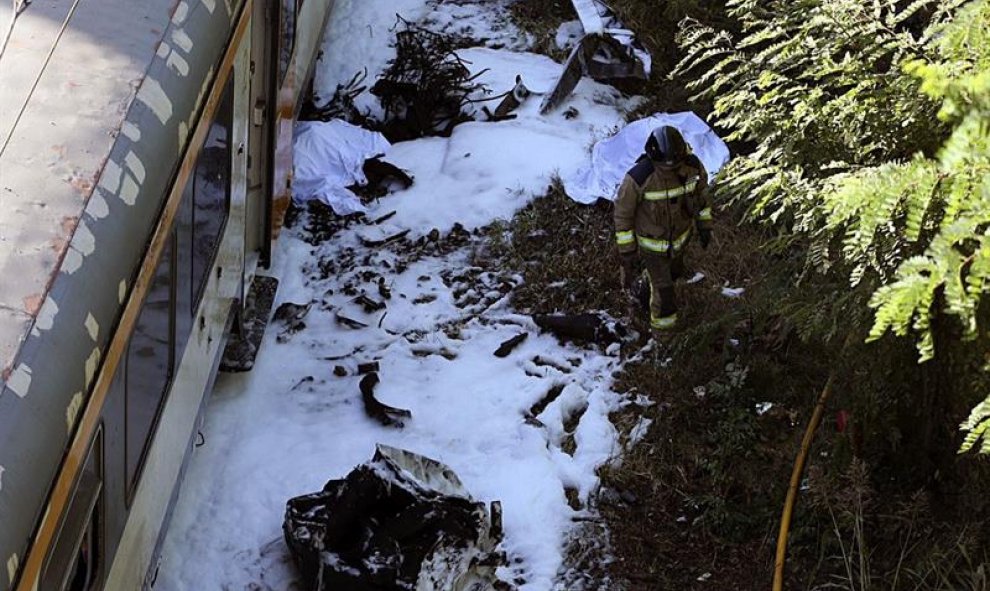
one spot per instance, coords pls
(871, 126)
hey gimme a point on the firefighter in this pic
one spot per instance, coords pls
(662, 201)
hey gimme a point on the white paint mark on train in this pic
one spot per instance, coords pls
(163, 50)
(129, 192)
(183, 133)
(180, 14)
(152, 95)
(178, 63)
(122, 291)
(84, 241)
(110, 179)
(92, 364)
(210, 5)
(12, 565)
(46, 316)
(92, 326)
(131, 131)
(72, 411)
(136, 166)
(20, 381)
(98, 208)
(2, 469)
(72, 262)
(182, 40)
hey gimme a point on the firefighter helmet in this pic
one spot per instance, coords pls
(666, 146)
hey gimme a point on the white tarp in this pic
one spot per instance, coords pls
(329, 157)
(612, 158)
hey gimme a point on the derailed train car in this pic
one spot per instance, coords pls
(145, 160)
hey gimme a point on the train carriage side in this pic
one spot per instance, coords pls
(194, 186)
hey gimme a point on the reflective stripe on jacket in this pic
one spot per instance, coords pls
(658, 208)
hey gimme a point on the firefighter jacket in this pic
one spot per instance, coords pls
(657, 209)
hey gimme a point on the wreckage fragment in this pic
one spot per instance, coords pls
(402, 522)
(388, 416)
(588, 328)
(513, 99)
(510, 345)
(607, 53)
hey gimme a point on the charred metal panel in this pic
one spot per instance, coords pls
(75, 287)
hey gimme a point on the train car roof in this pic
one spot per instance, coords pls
(55, 149)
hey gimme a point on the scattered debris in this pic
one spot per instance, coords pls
(340, 371)
(291, 316)
(388, 416)
(369, 305)
(366, 368)
(382, 177)
(510, 345)
(370, 242)
(733, 292)
(589, 328)
(425, 88)
(513, 99)
(349, 322)
(397, 523)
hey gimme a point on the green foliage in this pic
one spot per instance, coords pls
(870, 121)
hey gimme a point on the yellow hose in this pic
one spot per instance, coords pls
(792, 490)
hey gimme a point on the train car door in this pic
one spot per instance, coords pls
(284, 115)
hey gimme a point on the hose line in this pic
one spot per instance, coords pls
(795, 485)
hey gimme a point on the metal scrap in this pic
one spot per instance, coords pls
(607, 53)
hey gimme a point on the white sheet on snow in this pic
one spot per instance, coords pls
(612, 158)
(329, 157)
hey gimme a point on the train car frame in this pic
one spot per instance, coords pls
(185, 199)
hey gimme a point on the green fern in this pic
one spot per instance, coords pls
(871, 125)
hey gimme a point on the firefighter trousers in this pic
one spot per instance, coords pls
(662, 271)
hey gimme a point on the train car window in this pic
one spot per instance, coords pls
(287, 38)
(76, 562)
(185, 286)
(211, 192)
(83, 574)
(150, 364)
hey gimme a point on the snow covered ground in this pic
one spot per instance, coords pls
(522, 429)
